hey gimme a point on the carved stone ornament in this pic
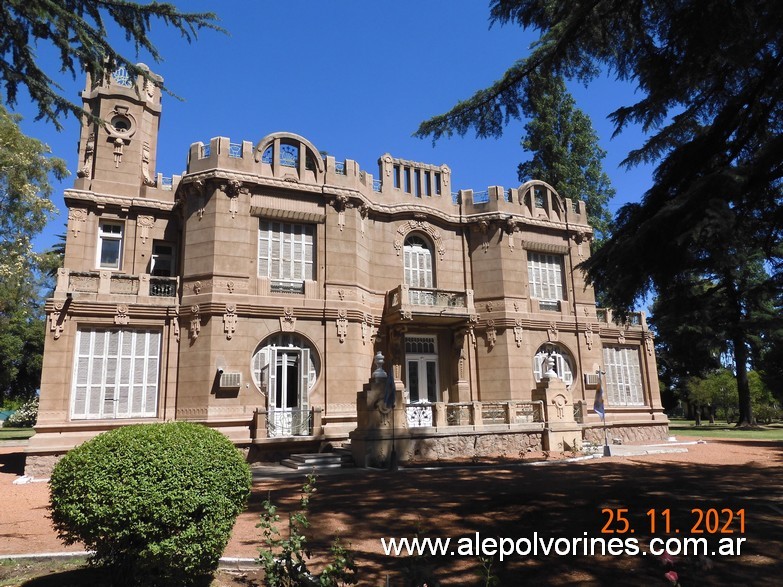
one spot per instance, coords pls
(77, 217)
(340, 202)
(341, 294)
(342, 325)
(552, 333)
(233, 188)
(648, 344)
(197, 287)
(176, 325)
(89, 154)
(230, 286)
(230, 321)
(482, 227)
(621, 338)
(56, 319)
(145, 164)
(121, 316)
(492, 334)
(144, 223)
(516, 306)
(368, 330)
(510, 227)
(490, 306)
(425, 227)
(579, 238)
(518, 332)
(589, 337)
(195, 322)
(287, 320)
(406, 315)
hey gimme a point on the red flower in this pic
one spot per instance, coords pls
(672, 576)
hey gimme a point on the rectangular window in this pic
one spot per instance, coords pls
(109, 245)
(623, 376)
(545, 273)
(163, 259)
(286, 254)
(427, 183)
(115, 374)
(417, 182)
(397, 177)
(437, 183)
(407, 178)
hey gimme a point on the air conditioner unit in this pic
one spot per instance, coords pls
(230, 380)
(591, 379)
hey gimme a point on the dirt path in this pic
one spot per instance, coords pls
(558, 500)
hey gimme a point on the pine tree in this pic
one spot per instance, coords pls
(565, 151)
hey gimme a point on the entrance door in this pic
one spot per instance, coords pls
(421, 370)
(288, 382)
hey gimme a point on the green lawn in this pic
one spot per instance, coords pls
(16, 433)
(724, 430)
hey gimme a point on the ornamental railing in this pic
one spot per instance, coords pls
(339, 168)
(475, 414)
(481, 197)
(283, 423)
(377, 185)
(235, 150)
(632, 318)
(289, 287)
(164, 287)
(437, 297)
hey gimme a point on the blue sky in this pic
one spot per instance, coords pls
(355, 78)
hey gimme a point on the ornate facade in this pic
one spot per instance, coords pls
(253, 292)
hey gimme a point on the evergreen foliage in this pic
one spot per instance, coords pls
(709, 79)
(77, 29)
(565, 151)
(156, 502)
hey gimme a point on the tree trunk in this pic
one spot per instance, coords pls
(745, 417)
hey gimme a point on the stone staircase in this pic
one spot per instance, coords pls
(322, 461)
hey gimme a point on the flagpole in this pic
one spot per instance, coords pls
(600, 408)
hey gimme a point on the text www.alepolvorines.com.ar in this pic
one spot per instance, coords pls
(537, 545)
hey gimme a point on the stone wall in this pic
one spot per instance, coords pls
(627, 433)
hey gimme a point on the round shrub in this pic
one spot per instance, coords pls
(154, 501)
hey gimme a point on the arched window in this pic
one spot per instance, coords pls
(563, 363)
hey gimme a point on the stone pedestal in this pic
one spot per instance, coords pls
(562, 432)
(380, 430)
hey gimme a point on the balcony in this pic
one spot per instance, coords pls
(95, 285)
(429, 305)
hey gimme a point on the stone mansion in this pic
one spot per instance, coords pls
(253, 292)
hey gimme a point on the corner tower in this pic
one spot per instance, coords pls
(118, 156)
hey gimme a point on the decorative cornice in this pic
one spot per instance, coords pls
(121, 201)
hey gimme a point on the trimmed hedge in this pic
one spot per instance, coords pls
(156, 502)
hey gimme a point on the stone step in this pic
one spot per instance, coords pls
(318, 461)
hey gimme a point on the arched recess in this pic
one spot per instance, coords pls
(419, 268)
(564, 364)
(286, 152)
(539, 195)
(286, 366)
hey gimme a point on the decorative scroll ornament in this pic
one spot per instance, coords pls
(144, 223)
(195, 322)
(195, 194)
(341, 294)
(230, 321)
(56, 319)
(518, 332)
(406, 315)
(425, 227)
(490, 306)
(287, 320)
(230, 286)
(589, 337)
(76, 218)
(621, 338)
(89, 154)
(492, 334)
(552, 333)
(342, 324)
(197, 287)
(121, 316)
(516, 306)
